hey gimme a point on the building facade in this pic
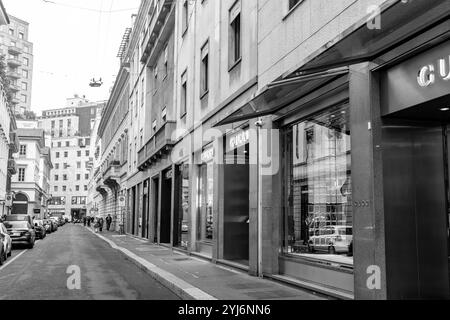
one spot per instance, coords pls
(18, 53)
(304, 141)
(69, 130)
(30, 186)
(111, 175)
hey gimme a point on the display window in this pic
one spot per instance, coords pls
(318, 217)
(184, 221)
(205, 222)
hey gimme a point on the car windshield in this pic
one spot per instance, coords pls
(16, 224)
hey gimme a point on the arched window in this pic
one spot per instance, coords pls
(20, 204)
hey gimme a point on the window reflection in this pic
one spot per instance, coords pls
(318, 214)
(206, 198)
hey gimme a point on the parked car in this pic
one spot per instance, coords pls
(333, 239)
(40, 229)
(55, 222)
(7, 242)
(2, 252)
(21, 232)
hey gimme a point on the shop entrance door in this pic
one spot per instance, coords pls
(155, 188)
(236, 205)
(166, 207)
(415, 171)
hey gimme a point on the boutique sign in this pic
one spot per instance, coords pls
(422, 78)
(429, 74)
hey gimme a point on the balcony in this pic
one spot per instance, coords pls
(14, 74)
(14, 100)
(14, 62)
(111, 176)
(158, 146)
(157, 23)
(12, 166)
(14, 50)
(14, 87)
(14, 143)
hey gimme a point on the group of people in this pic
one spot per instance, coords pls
(98, 222)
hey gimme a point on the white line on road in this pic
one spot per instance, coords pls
(12, 260)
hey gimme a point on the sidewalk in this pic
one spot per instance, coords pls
(192, 278)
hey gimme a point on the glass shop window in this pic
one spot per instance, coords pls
(205, 201)
(318, 215)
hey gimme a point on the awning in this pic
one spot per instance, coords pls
(279, 94)
(400, 22)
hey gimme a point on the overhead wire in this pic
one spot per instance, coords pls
(88, 9)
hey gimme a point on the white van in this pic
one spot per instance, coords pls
(332, 239)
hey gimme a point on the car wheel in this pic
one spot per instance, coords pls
(331, 250)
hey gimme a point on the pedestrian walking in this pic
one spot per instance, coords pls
(96, 226)
(100, 224)
(84, 221)
(89, 221)
(108, 222)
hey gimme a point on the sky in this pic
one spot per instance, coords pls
(74, 41)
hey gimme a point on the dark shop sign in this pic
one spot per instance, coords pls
(420, 79)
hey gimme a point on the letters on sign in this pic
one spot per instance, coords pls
(428, 74)
(240, 139)
(208, 155)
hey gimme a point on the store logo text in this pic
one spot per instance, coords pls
(428, 74)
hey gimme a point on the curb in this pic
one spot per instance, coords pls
(181, 288)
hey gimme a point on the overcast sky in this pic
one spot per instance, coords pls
(73, 42)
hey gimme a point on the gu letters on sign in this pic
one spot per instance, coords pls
(428, 74)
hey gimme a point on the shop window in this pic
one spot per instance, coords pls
(205, 201)
(318, 215)
(183, 210)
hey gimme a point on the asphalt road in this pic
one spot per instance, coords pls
(41, 273)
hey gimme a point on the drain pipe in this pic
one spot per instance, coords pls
(259, 125)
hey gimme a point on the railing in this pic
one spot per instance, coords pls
(14, 87)
(157, 143)
(12, 166)
(14, 74)
(14, 62)
(14, 49)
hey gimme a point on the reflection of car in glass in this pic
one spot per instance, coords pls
(333, 239)
(7, 242)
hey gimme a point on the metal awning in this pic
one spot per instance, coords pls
(400, 22)
(279, 94)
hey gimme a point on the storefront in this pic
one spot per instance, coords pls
(360, 205)
(415, 106)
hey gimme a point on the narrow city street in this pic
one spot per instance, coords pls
(41, 273)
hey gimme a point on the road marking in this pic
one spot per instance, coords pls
(12, 260)
(162, 274)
